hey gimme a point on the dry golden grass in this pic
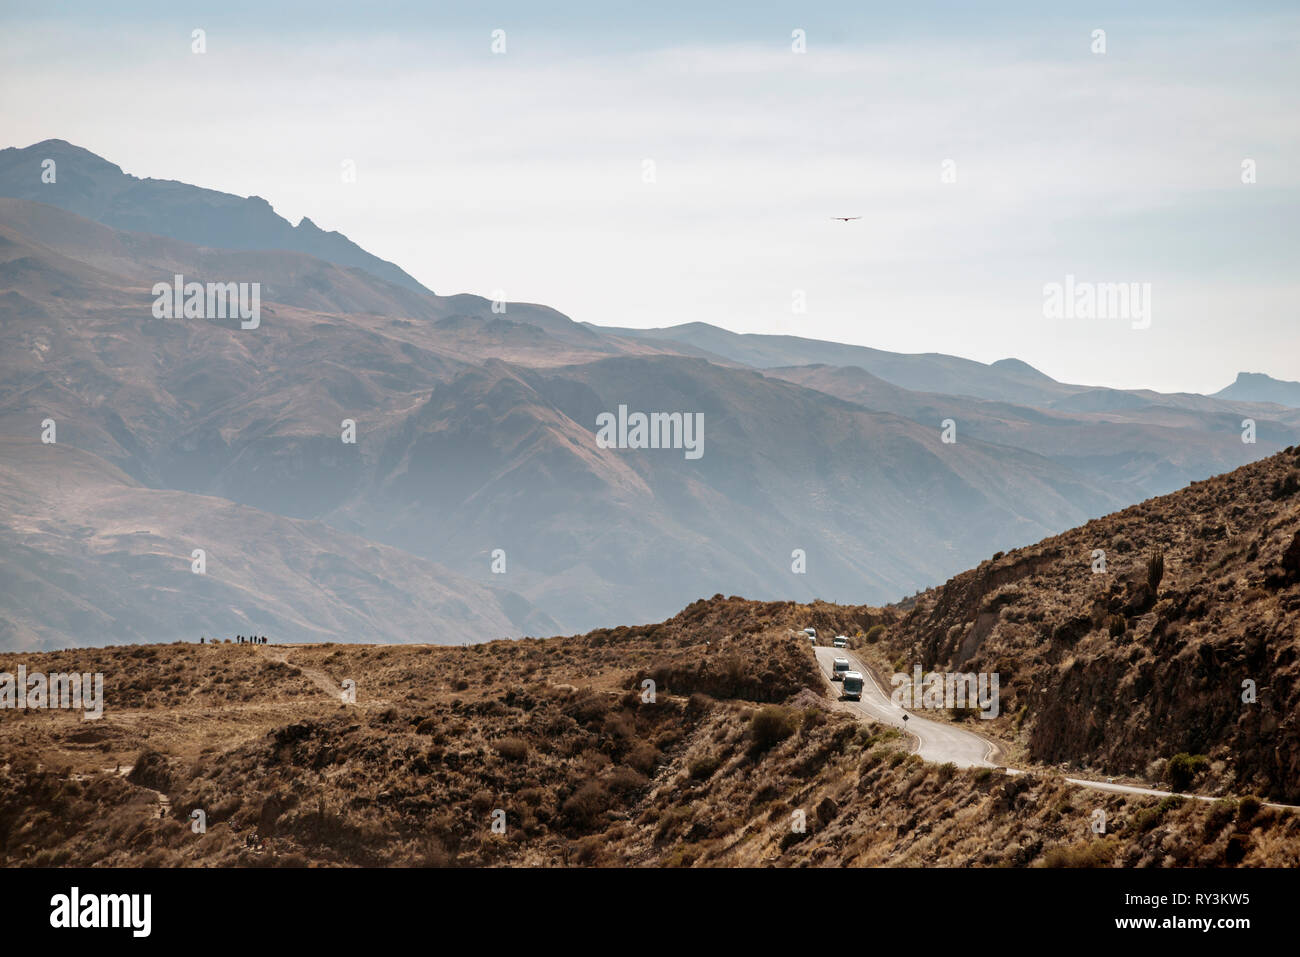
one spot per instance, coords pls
(556, 735)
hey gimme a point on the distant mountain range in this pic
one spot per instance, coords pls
(91, 186)
(1008, 379)
(89, 556)
(1257, 387)
(825, 470)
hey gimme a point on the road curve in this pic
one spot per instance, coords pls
(936, 740)
(941, 742)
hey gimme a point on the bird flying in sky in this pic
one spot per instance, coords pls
(845, 218)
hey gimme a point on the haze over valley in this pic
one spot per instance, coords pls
(827, 471)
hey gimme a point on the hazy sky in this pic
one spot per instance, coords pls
(525, 171)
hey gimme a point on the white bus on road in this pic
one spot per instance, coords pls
(853, 685)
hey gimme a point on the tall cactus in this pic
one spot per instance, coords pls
(1155, 570)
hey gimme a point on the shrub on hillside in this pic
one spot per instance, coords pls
(1285, 487)
(584, 806)
(152, 770)
(1247, 808)
(702, 768)
(512, 749)
(1221, 812)
(1185, 768)
(1096, 853)
(770, 726)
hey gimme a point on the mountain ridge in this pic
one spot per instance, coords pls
(1259, 387)
(476, 429)
(97, 189)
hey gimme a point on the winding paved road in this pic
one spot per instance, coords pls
(942, 742)
(937, 741)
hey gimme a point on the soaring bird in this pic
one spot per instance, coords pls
(845, 218)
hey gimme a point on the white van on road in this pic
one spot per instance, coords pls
(839, 669)
(841, 641)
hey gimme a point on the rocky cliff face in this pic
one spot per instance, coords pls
(1170, 627)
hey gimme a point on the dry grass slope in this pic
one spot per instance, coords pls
(556, 734)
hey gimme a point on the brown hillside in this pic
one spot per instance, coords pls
(556, 734)
(1107, 671)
